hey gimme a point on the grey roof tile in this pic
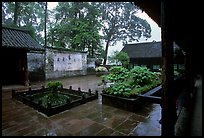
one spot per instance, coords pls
(18, 38)
(143, 50)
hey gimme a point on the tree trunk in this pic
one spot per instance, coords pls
(106, 52)
(45, 24)
(16, 13)
(52, 36)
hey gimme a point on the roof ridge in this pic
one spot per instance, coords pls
(144, 43)
(15, 28)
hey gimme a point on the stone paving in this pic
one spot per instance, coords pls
(90, 119)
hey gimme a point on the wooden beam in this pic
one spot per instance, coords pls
(152, 99)
(153, 91)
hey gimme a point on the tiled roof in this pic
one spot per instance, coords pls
(18, 38)
(143, 50)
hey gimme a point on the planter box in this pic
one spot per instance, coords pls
(29, 97)
(131, 104)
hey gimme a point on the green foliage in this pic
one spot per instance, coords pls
(121, 23)
(128, 83)
(31, 31)
(120, 58)
(29, 15)
(55, 99)
(77, 27)
(123, 58)
(54, 86)
(140, 90)
(142, 75)
(117, 74)
(119, 88)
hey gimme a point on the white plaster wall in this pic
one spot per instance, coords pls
(67, 62)
(60, 63)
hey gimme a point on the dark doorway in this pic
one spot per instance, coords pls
(14, 66)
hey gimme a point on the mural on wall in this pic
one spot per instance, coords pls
(67, 62)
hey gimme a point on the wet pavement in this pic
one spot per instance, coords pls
(89, 119)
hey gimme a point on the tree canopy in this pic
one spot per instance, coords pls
(120, 58)
(121, 24)
(28, 15)
(78, 25)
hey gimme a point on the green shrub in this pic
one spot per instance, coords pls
(143, 89)
(55, 99)
(54, 86)
(116, 74)
(142, 75)
(127, 83)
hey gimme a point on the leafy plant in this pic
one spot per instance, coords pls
(119, 88)
(145, 88)
(142, 75)
(54, 86)
(120, 58)
(128, 83)
(55, 99)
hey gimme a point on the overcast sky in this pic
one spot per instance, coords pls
(155, 34)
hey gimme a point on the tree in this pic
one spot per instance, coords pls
(120, 58)
(45, 24)
(8, 13)
(27, 15)
(16, 13)
(121, 24)
(77, 27)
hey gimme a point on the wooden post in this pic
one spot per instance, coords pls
(168, 105)
(29, 90)
(89, 92)
(96, 93)
(13, 93)
(42, 87)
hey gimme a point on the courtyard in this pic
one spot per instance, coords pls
(89, 119)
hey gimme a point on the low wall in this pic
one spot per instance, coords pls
(36, 66)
